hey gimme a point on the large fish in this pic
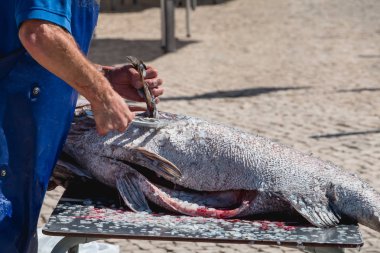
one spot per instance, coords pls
(190, 166)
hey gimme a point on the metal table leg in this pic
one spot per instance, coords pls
(323, 250)
(74, 249)
(71, 244)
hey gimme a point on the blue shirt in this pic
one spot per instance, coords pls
(78, 17)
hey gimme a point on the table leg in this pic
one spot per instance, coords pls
(74, 249)
(71, 243)
(323, 250)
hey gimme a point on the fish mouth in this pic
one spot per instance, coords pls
(143, 189)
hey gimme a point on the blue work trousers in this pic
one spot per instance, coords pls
(36, 110)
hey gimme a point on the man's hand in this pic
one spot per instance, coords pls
(111, 114)
(126, 80)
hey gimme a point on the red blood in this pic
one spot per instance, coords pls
(201, 211)
(289, 228)
(283, 226)
(97, 210)
(99, 217)
(223, 214)
(264, 225)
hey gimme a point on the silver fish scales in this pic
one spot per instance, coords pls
(209, 169)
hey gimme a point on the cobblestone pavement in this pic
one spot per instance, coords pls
(305, 73)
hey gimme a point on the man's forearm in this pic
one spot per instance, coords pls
(56, 50)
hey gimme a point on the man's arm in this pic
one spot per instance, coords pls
(56, 50)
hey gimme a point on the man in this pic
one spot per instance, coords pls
(42, 47)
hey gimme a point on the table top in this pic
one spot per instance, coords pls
(91, 210)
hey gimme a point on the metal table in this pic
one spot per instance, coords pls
(82, 216)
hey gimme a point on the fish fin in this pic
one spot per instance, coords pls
(132, 194)
(73, 168)
(314, 209)
(165, 167)
(66, 169)
(69, 163)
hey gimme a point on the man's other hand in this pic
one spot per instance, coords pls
(126, 80)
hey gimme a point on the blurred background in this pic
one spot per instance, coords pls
(305, 73)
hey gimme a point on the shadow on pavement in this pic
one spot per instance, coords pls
(251, 92)
(369, 56)
(338, 135)
(114, 51)
(360, 90)
(119, 6)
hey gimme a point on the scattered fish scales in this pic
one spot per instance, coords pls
(115, 220)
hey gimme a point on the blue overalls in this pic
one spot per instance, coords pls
(36, 110)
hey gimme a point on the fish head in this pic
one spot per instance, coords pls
(357, 200)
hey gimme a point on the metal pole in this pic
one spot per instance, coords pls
(163, 25)
(169, 26)
(188, 6)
